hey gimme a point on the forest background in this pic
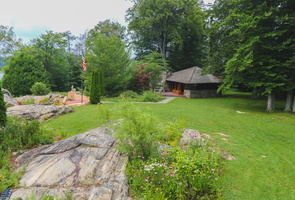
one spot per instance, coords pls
(249, 44)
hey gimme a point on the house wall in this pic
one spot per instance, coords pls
(200, 93)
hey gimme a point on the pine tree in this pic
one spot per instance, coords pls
(3, 118)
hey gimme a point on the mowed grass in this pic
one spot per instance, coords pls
(262, 143)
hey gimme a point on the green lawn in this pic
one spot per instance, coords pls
(263, 143)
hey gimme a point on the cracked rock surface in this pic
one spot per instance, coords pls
(85, 166)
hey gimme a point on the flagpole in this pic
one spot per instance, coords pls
(82, 89)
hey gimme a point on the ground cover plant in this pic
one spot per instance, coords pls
(16, 135)
(262, 143)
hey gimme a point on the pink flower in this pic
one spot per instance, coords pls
(216, 179)
(139, 156)
(162, 178)
(171, 174)
(146, 179)
(180, 183)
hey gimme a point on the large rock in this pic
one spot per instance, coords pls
(9, 100)
(39, 112)
(85, 166)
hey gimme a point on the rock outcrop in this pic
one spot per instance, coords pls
(10, 101)
(39, 112)
(85, 166)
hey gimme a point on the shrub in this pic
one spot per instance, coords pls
(39, 88)
(28, 101)
(137, 132)
(3, 117)
(17, 135)
(129, 94)
(150, 96)
(177, 174)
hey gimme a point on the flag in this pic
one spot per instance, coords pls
(84, 62)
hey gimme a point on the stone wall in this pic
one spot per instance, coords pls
(200, 93)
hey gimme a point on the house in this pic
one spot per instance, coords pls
(192, 83)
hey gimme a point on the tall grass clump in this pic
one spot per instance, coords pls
(161, 166)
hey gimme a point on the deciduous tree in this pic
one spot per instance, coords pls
(173, 28)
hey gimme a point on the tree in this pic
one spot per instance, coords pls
(170, 27)
(23, 70)
(97, 85)
(51, 51)
(108, 28)
(148, 73)
(259, 46)
(111, 55)
(3, 117)
(8, 41)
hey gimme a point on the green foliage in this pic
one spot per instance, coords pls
(17, 135)
(137, 132)
(177, 174)
(3, 117)
(109, 28)
(51, 52)
(129, 94)
(151, 96)
(168, 26)
(39, 88)
(24, 69)
(97, 85)
(147, 73)
(243, 48)
(173, 132)
(28, 101)
(110, 54)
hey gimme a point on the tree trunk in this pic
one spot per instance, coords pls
(289, 101)
(270, 102)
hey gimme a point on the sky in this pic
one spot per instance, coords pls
(31, 18)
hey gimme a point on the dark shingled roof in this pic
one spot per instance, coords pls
(192, 75)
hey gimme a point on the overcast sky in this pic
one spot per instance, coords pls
(31, 18)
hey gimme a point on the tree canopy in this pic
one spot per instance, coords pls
(251, 44)
(108, 52)
(174, 28)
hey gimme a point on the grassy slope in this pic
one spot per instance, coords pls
(251, 135)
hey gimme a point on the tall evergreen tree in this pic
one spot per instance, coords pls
(3, 117)
(97, 85)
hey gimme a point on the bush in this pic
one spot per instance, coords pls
(28, 101)
(17, 135)
(150, 96)
(137, 132)
(177, 174)
(129, 94)
(39, 88)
